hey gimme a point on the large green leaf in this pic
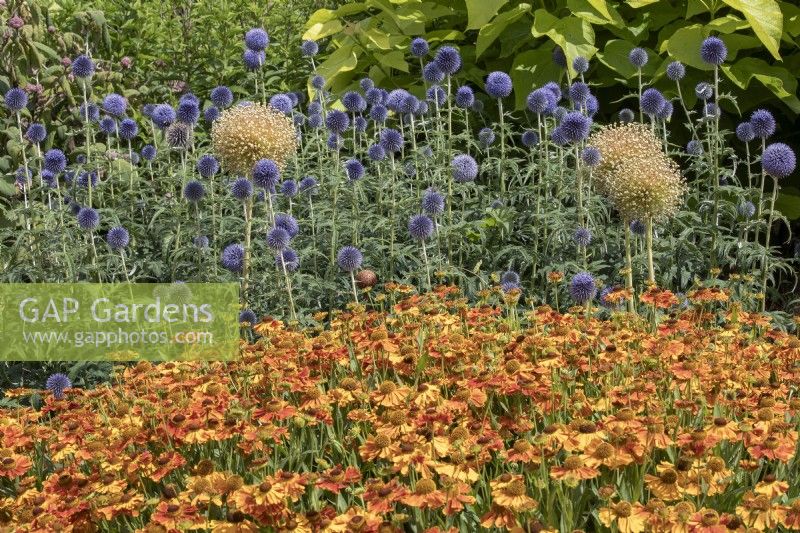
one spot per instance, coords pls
(493, 30)
(615, 57)
(791, 19)
(684, 45)
(394, 59)
(780, 81)
(480, 12)
(341, 60)
(596, 12)
(532, 69)
(574, 35)
(788, 202)
(321, 24)
(765, 18)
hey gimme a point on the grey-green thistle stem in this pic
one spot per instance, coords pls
(765, 257)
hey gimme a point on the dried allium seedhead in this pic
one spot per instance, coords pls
(179, 136)
(245, 134)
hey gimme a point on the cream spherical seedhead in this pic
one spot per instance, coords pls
(245, 134)
(619, 143)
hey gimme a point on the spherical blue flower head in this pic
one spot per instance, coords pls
(419, 47)
(713, 51)
(711, 110)
(135, 158)
(436, 95)
(56, 384)
(289, 223)
(744, 132)
(128, 128)
(580, 64)
(582, 287)
(221, 96)
(335, 142)
(211, 114)
(147, 110)
(354, 102)
(498, 85)
(308, 185)
(256, 39)
(92, 110)
(592, 105)
(464, 168)
(746, 209)
(49, 179)
(554, 89)
(194, 191)
(591, 156)
(115, 104)
(637, 227)
(309, 48)
(282, 103)
(582, 237)
(108, 125)
(638, 57)
(20, 178)
(55, 161)
(266, 174)
(337, 121)
(88, 218)
(289, 188)
(394, 99)
(201, 241)
(74, 208)
(391, 140)
(84, 178)
(575, 126)
(253, 60)
(163, 115)
(778, 160)
(560, 112)
(233, 257)
(408, 105)
(652, 101)
(360, 124)
(315, 121)
(420, 227)
(541, 101)
(189, 97)
(376, 152)
(626, 115)
(432, 73)
(290, 259)
(349, 258)
(530, 138)
(510, 277)
(378, 113)
(247, 316)
(763, 123)
(242, 189)
(354, 169)
(314, 108)
(486, 136)
(148, 152)
(278, 238)
(188, 112)
(703, 91)
(433, 202)
(465, 97)
(558, 137)
(375, 96)
(448, 59)
(36, 133)
(80, 159)
(477, 106)
(82, 66)
(16, 99)
(366, 84)
(694, 147)
(118, 238)
(665, 113)
(676, 71)
(559, 57)
(579, 92)
(318, 82)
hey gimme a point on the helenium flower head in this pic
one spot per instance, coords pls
(16, 99)
(763, 123)
(349, 258)
(309, 48)
(266, 173)
(448, 59)
(420, 227)
(638, 57)
(55, 161)
(242, 189)
(256, 39)
(82, 66)
(118, 238)
(233, 257)
(221, 96)
(498, 85)
(676, 71)
(115, 104)
(464, 168)
(57, 383)
(464, 97)
(433, 202)
(582, 287)
(36, 133)
(194, 191)
(88, 218)
(713, 51)
(778, 160)
(419, 47)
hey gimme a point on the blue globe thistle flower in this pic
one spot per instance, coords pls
(318, 82)
(74, 208)
(315, 121)
(448, 59)
(376, 152)
(201, 241)
(694, 147)
(118, 238)
(582, 287)
(256, 39)
(253, 60)
(432, 73)
(637, 227)
(188, 112)
(391, 140)
(147, 110)
(433, 202)
(108, 126)
(591, 156)
(560, 112)
(778, 160)
(309, 48)
(349, 258)
(88, 218)
(464, 168)
(57, 383)
(308, 185)
(290, 259)
(296, 97)
(554, 89)
(477, 106)
(558, 137)
(465, 97)
(592, 105)
(378, 113)
(354, 102)
(575, 126)
(354, 169)
(282, 103)
(652, 101)
(278, 238)
(530, 138)
(436, 94)
(626, 115)
(746, 209)
(486, 136)
(360, 124)
(85, 177)
(420, 227)
(763, 123)
(221, 96)
(115, 104)
(711, 110)
(189, 97)
(135, 158)
(55, 161)
(128, 129)
(247, 316)
(233, 257)
(36, 133)
(665, 113)
(419, 47)
(80, 159)
(148, 152)
(676, 71)
(22, 176)
(510, 281)
(82, 66)
(289, 188)
(541, 101)
(395, 98)
(16, 99)
(713, 51)
(498, 85)
(638, 57)
(194, 191)
(579, 92)
(266, 174)
(582, 237)
(163, 115)
(409, 169)
(375, 96)
(337, 121)
(408, 105)
(289, 223)
(703, 90)
(366, 84)
(91, 110)
(49, 179)
(745, 132)
(426, 151)
(559, 57)
(335, 142)
(211, 114)
(242, 189)
(580, 64)
(314, 108)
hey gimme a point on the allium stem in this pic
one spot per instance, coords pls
(353, 281)
(248, 223)
(765, 257)
(641, 116)
(650, 268)
(629, 268)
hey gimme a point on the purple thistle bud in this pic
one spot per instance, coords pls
(256, 39)
(582, 287)
(419, 47)
(420, 227)
(266, 174)
(464, 168)
(448, 59)
(763, 123)
(309, 48)
(118, 238)
(88, 218)
(638, 57)
(349, 258)
(433, 202)
(745, 133)
(713, 51)
(242, 189)
(676, 71)
(233, 257)
(778, 160)
(498, 85)
(221, 96)
(194, 191)
(465, 97)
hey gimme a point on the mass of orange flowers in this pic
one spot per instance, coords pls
(431, 415)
